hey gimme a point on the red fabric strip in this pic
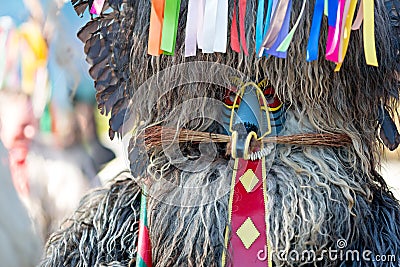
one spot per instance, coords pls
(248, 205)
(242, 14)
(235, 45)
(144, 247)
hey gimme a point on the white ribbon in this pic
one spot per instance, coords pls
(200, 25)
(209, 25)
(191, 28)
(221, 31)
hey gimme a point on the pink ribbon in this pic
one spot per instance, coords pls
(97, 7)
(359, 18)
(333, 43)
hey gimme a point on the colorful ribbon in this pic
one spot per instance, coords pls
(170, 26)
(207, 25)
(332, 12)
(313, 41)
(242, 14)
(369, 33)
(359, 18)
(334, 35)
(191, 27)
(97, 7)
(200, 24)
(156, 26)
(260, 24)
(347, 32)
(271, 7)
(342, 30)
(284, 45)
(235, 44)
(247, 216)
(326, 8)
(210, 19)
(144, 245)
(275, 27)
(221, 31)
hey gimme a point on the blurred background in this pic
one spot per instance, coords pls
(54, 143)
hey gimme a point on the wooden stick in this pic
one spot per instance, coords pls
(157, 135)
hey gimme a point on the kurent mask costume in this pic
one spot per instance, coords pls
(252, 130)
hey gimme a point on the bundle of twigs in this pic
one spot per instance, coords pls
(156, 136)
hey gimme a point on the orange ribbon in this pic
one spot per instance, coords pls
(156, 25)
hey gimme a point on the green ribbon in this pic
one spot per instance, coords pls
(170, 26)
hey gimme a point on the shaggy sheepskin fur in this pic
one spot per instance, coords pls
(317, 196)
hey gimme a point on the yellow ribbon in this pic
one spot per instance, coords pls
(369, 33)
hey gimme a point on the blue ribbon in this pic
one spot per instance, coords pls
(332, 12)
(260, 24)
(268, 18)
(282, 34)
(267, 22)
(312, 46)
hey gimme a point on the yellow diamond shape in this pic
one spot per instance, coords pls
(249, 180)
(248, 233)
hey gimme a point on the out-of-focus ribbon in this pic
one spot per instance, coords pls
(312, 46)
(170, 26)
(34, 59)
(97, 7)
(326, 8)
(156, 25)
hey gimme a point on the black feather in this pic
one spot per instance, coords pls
(388, 131)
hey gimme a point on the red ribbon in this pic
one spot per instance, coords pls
(235, 45)
(242, 14)
(247, 217)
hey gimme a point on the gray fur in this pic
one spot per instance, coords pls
(316, 195)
